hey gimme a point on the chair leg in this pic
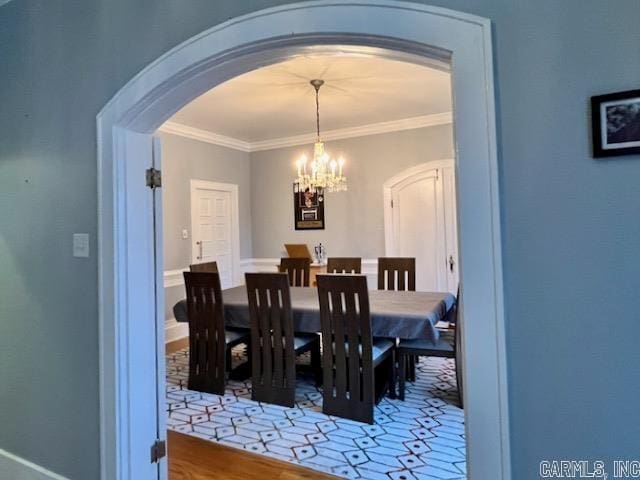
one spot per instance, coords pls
(402, 375)
(412, 368)
(316, 363)
(392, 374)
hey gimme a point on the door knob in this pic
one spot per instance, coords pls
(452, 262)
(199, 257)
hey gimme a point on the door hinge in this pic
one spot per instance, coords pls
(154, 178)
(158, 450)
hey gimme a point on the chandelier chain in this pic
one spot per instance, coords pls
(317, 113)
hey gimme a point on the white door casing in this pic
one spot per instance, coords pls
(393, 29)
(451, 228)
(160, 332)
(142, 337)
(420, 222)
(215, 230)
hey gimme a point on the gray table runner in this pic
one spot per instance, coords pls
(393, 314)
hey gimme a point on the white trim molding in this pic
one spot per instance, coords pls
(17, 468)
(174, 330)
(360, 131)
(400, 30)
(411, 123)
(174, 278)
(204, 136)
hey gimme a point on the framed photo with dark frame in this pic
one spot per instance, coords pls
(308, 208)
(616, 124)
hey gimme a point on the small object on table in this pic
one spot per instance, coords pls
(321, 253)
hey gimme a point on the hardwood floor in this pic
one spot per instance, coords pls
(176, 345)
(192, 458)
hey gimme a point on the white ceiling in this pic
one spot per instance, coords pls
(277, 101)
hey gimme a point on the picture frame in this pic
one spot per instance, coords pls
(308, 209)
(615, 120)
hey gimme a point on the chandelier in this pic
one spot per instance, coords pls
(323, 172)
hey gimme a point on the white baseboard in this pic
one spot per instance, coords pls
(17, 468)
(174, 278)
(174, 330)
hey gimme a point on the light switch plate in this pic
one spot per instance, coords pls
(185, 234)
(81, 245)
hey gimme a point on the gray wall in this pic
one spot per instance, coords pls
(355, 214)
(184, 159)
(570, 223)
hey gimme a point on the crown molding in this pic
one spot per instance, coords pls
(307, 138)
(205, 136)
(352, 132)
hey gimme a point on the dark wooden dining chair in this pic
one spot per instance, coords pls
(274, 346)
(344, 265)
(396, 273)
(353, 363)
(210, 343)
(448, 345)
(298, 270)
(211, 267)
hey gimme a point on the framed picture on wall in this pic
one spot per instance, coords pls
(616, 123)
(308, 208)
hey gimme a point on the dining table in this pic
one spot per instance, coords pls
(394, 314)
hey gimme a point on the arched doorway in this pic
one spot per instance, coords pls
(128, 244)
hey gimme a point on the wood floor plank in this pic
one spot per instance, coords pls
(192, 458)
(176, 345)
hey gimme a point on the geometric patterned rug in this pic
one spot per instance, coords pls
(421, 438)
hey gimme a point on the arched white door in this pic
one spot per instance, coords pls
(420, 222)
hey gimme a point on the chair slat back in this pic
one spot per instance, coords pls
(210, 267)
(397, 273)
(272, 348)
(207, 345)
(344, 265)
(347, 363)
(298, 270)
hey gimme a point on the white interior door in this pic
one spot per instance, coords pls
(214, 220)
(420, 222)
(417, 212)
